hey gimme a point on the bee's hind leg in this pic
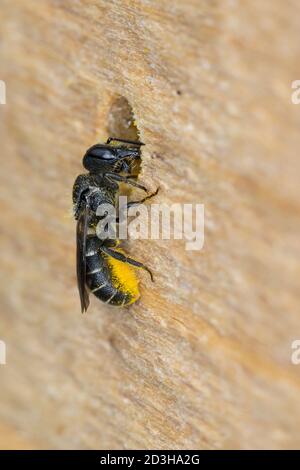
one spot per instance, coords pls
(125, 259)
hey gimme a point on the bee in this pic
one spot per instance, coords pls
(103, 268)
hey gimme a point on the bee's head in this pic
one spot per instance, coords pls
(102, 158)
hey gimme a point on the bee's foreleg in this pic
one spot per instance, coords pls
(124, 179)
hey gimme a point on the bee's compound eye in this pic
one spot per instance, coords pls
(97, 156)
(107, 156)
(101, 153)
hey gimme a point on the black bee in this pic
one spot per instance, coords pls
(102, 266)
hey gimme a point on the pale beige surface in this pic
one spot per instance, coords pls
(203, 361)
(11, 439)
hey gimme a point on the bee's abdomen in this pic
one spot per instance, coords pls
(100, 277)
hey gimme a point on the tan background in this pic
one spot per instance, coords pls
(203, 360)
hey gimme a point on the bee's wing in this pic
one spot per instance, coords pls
(81, 232)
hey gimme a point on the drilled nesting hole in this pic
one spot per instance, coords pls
(121, 123)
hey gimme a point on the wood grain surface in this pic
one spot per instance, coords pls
(203, 360)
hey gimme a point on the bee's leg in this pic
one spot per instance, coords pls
(125, 259)
(124, 179)
(112, 243)
(125, 141)
(137, 203)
